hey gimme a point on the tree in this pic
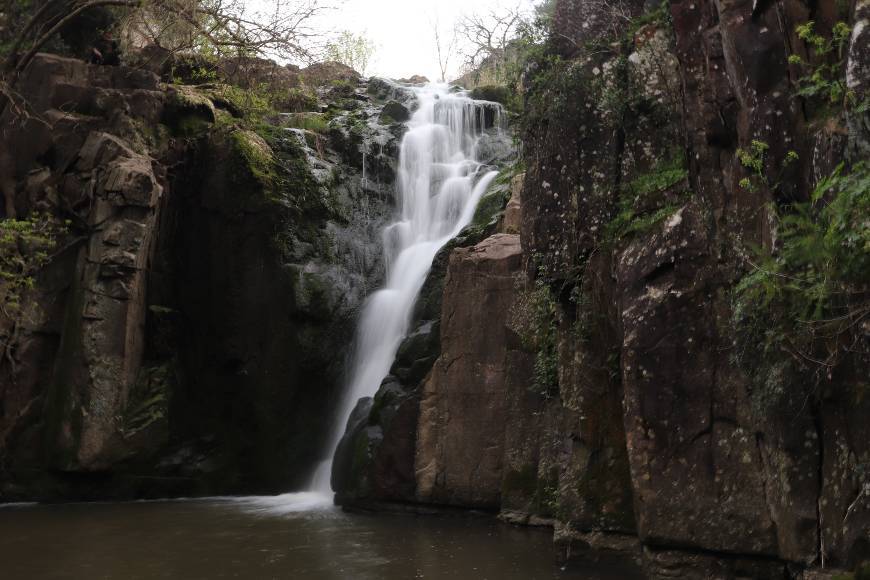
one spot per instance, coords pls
(444, 49)
(485, 40)
(353, 50)
(215, 27)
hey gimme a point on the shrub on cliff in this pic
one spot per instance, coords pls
(810, 295)
(25, 247)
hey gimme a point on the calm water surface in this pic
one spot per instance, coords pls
(297, 536)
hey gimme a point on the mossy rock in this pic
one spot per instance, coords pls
(189, 113)
(492, 204)
(257, 158)
(417, 353)
(394, 112)
(494, 93)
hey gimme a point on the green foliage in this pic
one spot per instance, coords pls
(824, 78)
(755, 159)
(552, 90)
(193, 75)
(298, 100)
(534, 321)
(636, 212)
(628, 221)
(353, 50)
(810, 294)
(149, 400)
(253, 104)
(659, 16)
(309, 122)
(25, 248)
(495, 93)
(661, 178)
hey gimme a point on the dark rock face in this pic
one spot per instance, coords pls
(396, 111)
(632, 221)
(718, 463)
(189, 336)
(71, 375)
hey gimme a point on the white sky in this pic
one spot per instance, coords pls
(402, 30)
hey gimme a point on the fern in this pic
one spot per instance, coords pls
(812, 294)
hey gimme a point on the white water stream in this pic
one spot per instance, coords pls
(439, 184)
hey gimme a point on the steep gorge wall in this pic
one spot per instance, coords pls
(188, 337)
(638, 426)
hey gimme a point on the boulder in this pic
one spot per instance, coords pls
(393, 111)
(462, 465)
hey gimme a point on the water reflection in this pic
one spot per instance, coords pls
(291, 536)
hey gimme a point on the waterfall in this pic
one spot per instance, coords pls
(439, 183)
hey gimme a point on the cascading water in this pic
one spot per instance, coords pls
(438, 186)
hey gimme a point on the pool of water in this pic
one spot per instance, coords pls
(299, 536)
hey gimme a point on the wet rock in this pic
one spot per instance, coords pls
(374, 462)
(394, 111)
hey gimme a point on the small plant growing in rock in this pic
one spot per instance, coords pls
(754, 159)
(534, 320)
(25, 246)
(824, 78)
(628, 219)
(810, 295)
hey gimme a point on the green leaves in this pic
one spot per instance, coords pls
(25, 247)
(824, 79)
(812, 291)
(534, 321)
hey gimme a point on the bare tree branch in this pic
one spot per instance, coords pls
(486, 38)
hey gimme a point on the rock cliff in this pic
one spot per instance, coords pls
(582, 355)
(601, 382)
(187, 334)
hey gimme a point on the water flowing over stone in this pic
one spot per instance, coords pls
(439, 182)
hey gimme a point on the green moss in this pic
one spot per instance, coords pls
(659, 179)
(382, 399)
(534, 320)
(541, 493)
(494, 93)
(256, 156)
(308, 121)
(189, 112)
(312, 295)
(492, 204)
